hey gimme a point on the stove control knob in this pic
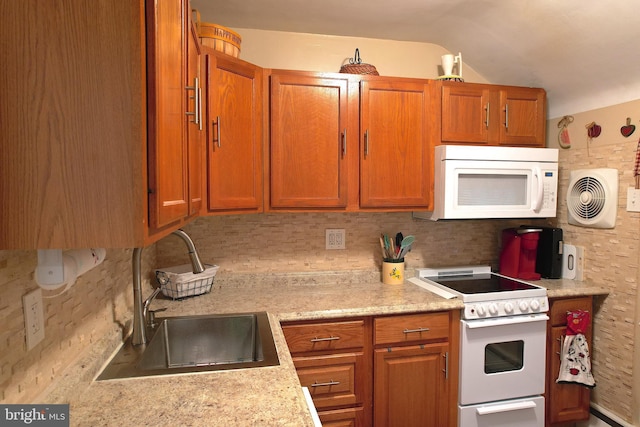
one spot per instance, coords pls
(493, 308)
(508, 307)
(480, 310)
(535, 305)
(524, 306)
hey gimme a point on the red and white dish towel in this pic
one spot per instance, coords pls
(575, 364)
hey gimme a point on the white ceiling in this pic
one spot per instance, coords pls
(585, 53)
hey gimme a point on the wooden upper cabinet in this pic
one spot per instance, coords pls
(168, 154)
(466, 113)
(74, 125)
(396, 145)
(308, 167)
(524, 116)
(195, 126)
(478, 114)
(234, 130)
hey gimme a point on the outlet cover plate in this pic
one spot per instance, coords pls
(633, 200)
(33, 318)
(335, 238)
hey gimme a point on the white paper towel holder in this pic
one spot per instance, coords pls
(56, 269)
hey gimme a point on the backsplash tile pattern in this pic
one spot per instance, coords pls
(100, 300)
(295, 242)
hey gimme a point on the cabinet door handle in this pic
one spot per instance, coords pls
(344, 142)
(410, 331)
(199, 108)
(506, 116)
(216, 124)
(446, 365)
(366, 142)
(329, 384)
(195, 97)
(486, 117)
(331, 338)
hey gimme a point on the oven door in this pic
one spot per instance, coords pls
(527, 412)
(502, 358)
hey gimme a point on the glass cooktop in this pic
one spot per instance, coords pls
(482, 284)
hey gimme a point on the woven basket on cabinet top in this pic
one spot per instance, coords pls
(218, 37)
(355, 66)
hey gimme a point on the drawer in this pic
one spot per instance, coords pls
(348, 417)
(324, 336)
(411, 327)
(560, 307)
(331, 379)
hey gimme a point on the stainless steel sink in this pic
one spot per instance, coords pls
(197, 344)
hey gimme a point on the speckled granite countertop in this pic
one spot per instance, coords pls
(269, 396)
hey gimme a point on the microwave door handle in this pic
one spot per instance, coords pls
(538, 174)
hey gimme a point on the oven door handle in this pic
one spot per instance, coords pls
(496, 409)
(501, 321)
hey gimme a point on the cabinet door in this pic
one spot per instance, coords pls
(168, 157)
(195, 116)
(466, 114)
(565, 402)
(308, 167)
(234, 135)
(411, 386)
(523, 120)
(396, 147)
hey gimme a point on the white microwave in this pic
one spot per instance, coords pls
(473, 182)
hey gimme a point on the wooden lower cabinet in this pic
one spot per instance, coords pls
(384, 371)
(565, 403)
(333, 359)
(416, 369)
(410, 388)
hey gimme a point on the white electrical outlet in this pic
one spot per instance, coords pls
(33, 318)
(633, 200)
(335, 238)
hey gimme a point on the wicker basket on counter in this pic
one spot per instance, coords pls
(218, 37)
(355, 66)
(180, 282)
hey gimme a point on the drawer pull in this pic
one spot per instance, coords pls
(410, 331)
(331, 338)
(329, 384)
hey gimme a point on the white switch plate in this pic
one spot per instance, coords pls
(33, 318)
(335, 238)
(633, 199)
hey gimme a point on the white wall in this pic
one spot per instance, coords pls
(312, 52)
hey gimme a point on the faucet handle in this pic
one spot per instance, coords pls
(152, 316)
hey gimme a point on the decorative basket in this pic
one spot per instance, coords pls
(218, 37)
(355, 66)
(180, 281)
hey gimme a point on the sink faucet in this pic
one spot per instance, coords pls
(140, 308)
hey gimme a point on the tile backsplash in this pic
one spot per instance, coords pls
(282, 242)
(100, 301)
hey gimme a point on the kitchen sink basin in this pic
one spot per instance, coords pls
(197, 344)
